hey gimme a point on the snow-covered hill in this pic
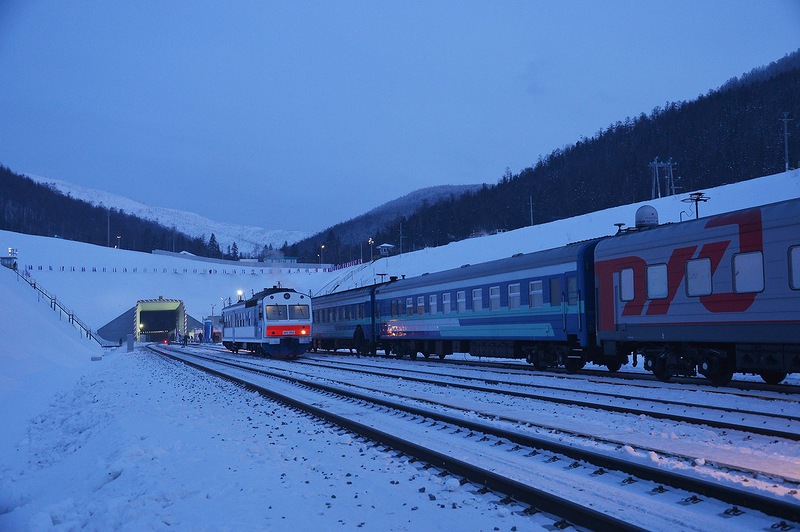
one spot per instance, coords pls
(250, 240)
(247, 238)
(100, 283)
(352, 231)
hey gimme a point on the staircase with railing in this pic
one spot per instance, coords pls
(58, 306)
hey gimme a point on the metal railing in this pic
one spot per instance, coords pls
(59, 307)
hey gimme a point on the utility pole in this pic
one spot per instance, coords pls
(785, 121)
(656, 167)
(530, 200)
(401, 238)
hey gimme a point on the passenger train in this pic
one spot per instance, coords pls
(714, 296)
(274, 322)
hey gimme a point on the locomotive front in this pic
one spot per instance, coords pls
(274, 322)
(286, 324)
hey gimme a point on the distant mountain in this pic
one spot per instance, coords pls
(251, 240)
(354, 230)
(247, 238)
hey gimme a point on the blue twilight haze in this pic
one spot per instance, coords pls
(324, 110)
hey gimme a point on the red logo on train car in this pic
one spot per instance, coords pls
(750, 239)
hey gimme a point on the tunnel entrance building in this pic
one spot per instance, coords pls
(157, 320)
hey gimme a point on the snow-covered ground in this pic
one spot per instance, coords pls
(130, 442)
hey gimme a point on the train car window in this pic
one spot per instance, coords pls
(409, 306)
(298, 312)
(461, 301)
(420, 305)
(394, 308)
(748, 272)
(555, 292)
(572, 290)
(477, 299)
(513, 296)
(446, 302)
(626, 288)
(794, 267)
(276, 312)
(494, 298)
(698, 277)
(432, 302)
(657, 287)
(535, 294)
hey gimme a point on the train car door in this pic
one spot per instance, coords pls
(558, 310)
(564, 293)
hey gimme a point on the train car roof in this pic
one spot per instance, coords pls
(689, 229)
(253, 300)
(350, 293)
(520, 261)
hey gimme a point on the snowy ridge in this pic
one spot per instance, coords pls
(247, 238)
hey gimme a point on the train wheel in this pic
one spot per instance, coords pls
(721, 377)
(773, 377)
(614, 366)
(441, 356)
(659, 369)
(718, 371)
(536, 360)
(573, 365)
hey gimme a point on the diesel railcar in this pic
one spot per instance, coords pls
(275, 322)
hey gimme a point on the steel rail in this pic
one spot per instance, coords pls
(768, 505)
(600, 406)
(542, 500)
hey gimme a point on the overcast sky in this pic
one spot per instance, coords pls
(300, 115)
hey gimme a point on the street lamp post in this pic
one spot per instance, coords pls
(370, 242)
(118, 240)
(321, 251)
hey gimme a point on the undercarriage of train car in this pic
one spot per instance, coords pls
(717, 362)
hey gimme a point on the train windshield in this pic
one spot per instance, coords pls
(284, 312)
(276, 312)
(298, 312)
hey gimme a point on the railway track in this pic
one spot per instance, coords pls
(763, 422)
(740, 384)
(512, 462)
